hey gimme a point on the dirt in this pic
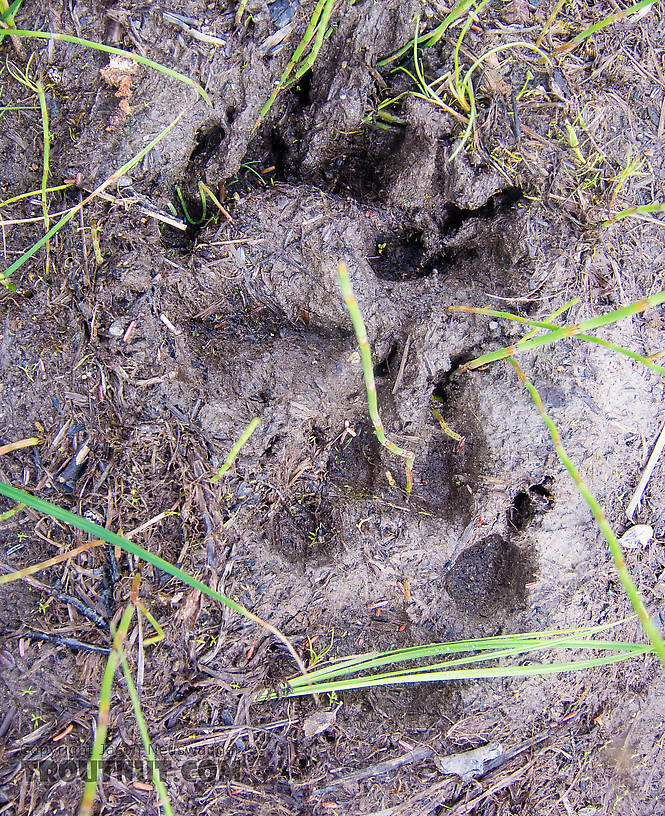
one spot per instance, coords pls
(156, 358)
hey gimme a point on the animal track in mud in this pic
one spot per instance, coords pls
(208, 138)
(530, 505)
(304, 530)
(403, 255)
(488, 575)
(353, 466)
(447, 477)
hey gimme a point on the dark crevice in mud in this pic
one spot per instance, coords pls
(387, 366)
(208, 139)
(302, 90)
(187, 202)
(360, 165)
(498, 204)
(398, 257)
(489, 575)
(408, 254)
(174, 238)
(530, 505)
(357, 164)
(403, 257)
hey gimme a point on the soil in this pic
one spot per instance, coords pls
(151, 351)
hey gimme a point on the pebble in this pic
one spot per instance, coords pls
(637, 536)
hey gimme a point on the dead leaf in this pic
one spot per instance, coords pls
(320, 721)
(518, 12)
(495, 82)
(190, 610)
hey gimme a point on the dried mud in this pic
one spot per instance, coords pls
(158, 357)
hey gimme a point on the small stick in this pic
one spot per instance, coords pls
(368, 372)
(402, 365)
(648, 470)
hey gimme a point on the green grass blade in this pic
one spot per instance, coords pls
(113, 538)
(596, 27)
(568, 331)
(650, 628)
(432, 37)
(90, 789)
(55, 189)
(372, 659)
(368, 372)
(503, 646)
(295, 58)
(237, 447)
(490, 655)
(108, 49)
(463, 674)
(643, 209)
(7, 15)
(46, 136)
(145, 736)
(547, 324)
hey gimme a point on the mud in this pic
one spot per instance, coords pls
(159, 356)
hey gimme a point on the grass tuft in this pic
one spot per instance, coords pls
(300, 61)
(333, 676)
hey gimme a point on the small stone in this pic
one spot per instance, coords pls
(116, 329)
(638, 536)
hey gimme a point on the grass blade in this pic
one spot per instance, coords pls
(643, 209)
(432, 37)
(145, 736)
(108, 49)
(487, 672)
(513, 643)
(50, 562)
(113, 538)
(235, 450)
(368, 373)
(625, 577)
(7, 15)
(546, 324)
(90, 789)
(569, 331)
(611, 18)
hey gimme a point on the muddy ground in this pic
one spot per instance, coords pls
(158, 352)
